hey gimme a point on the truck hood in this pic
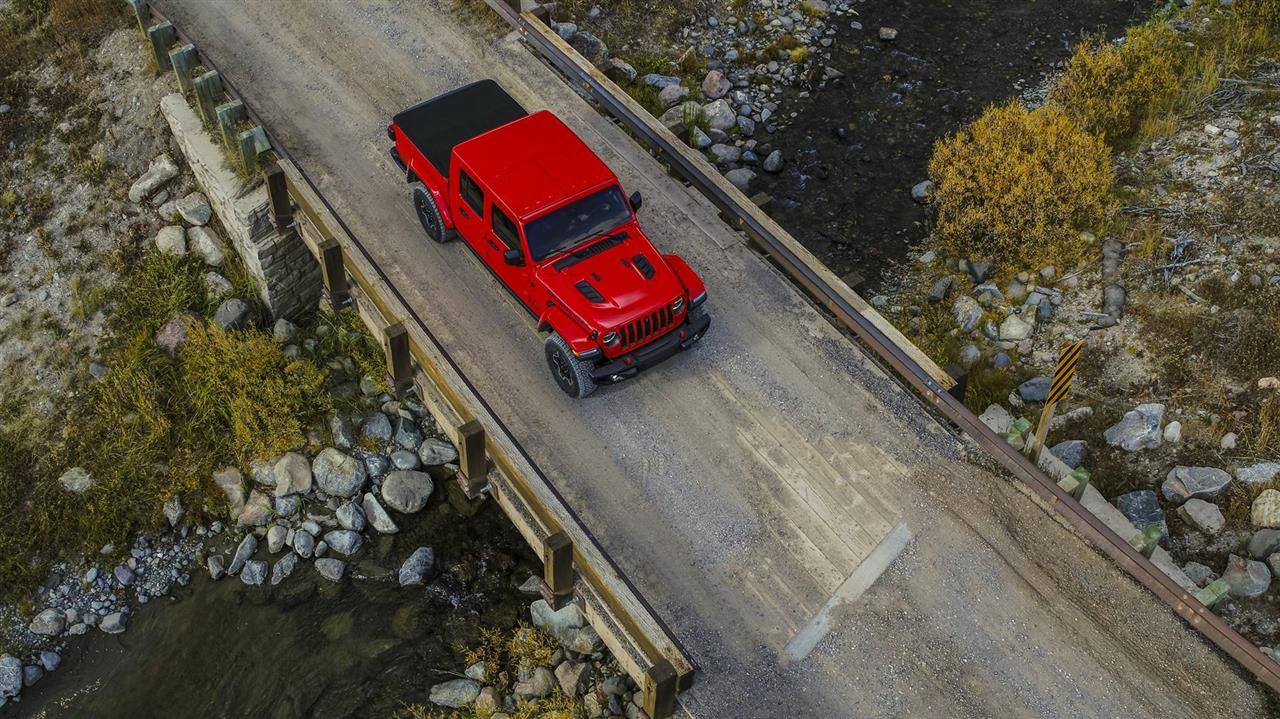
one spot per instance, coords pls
(617, 279)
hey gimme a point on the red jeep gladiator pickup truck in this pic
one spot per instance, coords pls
(548, 218)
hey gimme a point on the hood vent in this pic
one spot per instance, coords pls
(645, 267)
(577, 256)
(589, 292)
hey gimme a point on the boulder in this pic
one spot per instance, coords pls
(172, 240)
(407, 491)
(725, 154)
(1173, 432)
(344, 541)
(254, 572)
(673, 95)
(232, 314)
(940, 289)
(50, 660)
(283, 568)
(76, 479)
(1202, 515)
(592, 48)
(114, 623)
(1265, 511)
(772, 162)
(720, 115)
(194, 209)
(586, 641)
(162, 170)
(1035, 389)
(997, 418)
(284, 331)
(1258, 473)
(256, 512)
(715, 85)
(205, 244)
(404, 459)
(540, 684)
(1072, 452)
(31, 674)
(304, 543)
(455, 693)
(1139, 429)
(377, 427)
(1183, 483)
(574, 677)
(407, 435)
(621, 70)
(653, 79)
(435, 452)
(415, 568)
(292, 474)
(338, 474)
(350, 516)
(276, 537)
(922, 192)
(563, 625)
(50, 623)
(741, 178)
(231, 482)
(1143, 510)
(1264, 543)
(377, 516)
(217, 285)
(244, 551)
(967, 313)
(1199, 573)
(10, 677)
(1246, 578)
(331, 569)
(217, 566)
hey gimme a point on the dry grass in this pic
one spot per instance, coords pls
(1018, 186)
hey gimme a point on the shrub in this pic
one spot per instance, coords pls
(1115, 90)
(1019, 185)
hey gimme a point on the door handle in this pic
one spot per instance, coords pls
(492, 244)
(464, 212)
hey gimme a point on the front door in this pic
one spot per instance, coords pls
(501, 237)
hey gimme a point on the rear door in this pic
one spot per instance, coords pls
(468, 210)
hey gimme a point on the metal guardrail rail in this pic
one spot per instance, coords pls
(887, 344)
(576, 564)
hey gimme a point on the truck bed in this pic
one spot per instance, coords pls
(437, 125)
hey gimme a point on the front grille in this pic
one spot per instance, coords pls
(637, 331)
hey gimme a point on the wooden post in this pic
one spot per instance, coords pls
(334, 274)
(660, 690)
(229, 114)
(557, 570)
(183, 59)
(1036, 445)
(208, 95)
(252, 142)
(1081, 476)
(278, 195)
(473, 462)
(399, 368)
(161, 36)
(1147, 540)
(961, 376)
(142, 13)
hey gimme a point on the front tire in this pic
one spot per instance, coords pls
(429, 215)
(570, 373)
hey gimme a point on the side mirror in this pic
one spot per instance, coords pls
(515, 258)
(636, 201)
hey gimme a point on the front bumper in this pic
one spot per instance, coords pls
(677, 340)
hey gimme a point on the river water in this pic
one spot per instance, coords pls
(860, 144)
(307, 648)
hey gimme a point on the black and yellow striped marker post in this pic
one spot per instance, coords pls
(1068, 357)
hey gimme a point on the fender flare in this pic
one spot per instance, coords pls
(555, 319)
(690, 279)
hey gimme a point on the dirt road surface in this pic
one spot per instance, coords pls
(740, 485)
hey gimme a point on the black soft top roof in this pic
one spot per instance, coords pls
(437, 125)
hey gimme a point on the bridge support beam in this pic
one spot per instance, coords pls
(208, 96)
(399, 367)
(557, 570)
(334, 274)
(660, 690)
(161, 36)
(184, 59)
(278, 195)
(141, 13)
(473, 461)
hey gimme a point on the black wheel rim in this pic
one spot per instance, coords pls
(564, 373)
(425, 217)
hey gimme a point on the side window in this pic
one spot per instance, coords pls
(471, 192)
(505, 229)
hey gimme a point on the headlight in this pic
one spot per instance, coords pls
(677, 306)
(610, 339)
(699, 299)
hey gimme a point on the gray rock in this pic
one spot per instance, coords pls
(1264, 543)
(540, 684)
(1140, 428)
(435, 452)
(566, 30)
(1265, 511)
(673, 95)
(76, 479)
(586, 641)
(592, 48)
(940, 289)
(205, 244)
(283, 568)
(1258, 473)
(287, 506)
(292, 474)
(1035, 389)
(969, 355)
(254, 572)
(172, 240)
(1202, 515)
(563, 625)
(574, 677)
(715, 85)
(659, 81)
(344, 435)
(404, 459)
(350, 516)
(50, 623)
(114, 623)
(10, 677)
(415, 568)
(1246, 578)
(50, 660)
(1199, 573)
(376, 465)
(980, 270)
(217, 566)
(284, 331)
(194, 209)
(377, 427)
(725, 154)
(1072, 452)
(1173, 432)
(747, 127)
(344, 541)
(276, 536)
(772, 161)
(217, 285)
(1182, 483)
(244, 551)
(232, 314)
(173, 510)
(304, 543)
(1143, 510)
(162, 170)
(741, 178)
(31, 674)
(720, 115)
(1015, 328)
(124, 575)
(967, 313)
(922, 192)
(407, 491)
(621, 70)
(377, 516)
(257, 510)
(407, 435)
(338, 474)
(455, 693)
(331, 569)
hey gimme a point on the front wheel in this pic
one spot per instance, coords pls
(429, 215)
(572, 374)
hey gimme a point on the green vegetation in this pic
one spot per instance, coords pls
(153, 427)
(1020, 185)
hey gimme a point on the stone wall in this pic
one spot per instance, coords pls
(287, 275)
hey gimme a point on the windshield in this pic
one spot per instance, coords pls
(566, 227)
